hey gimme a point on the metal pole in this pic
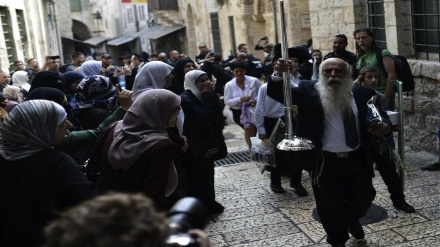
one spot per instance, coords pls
(400, 134)
(275, 21)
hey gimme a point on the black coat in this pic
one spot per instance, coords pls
(202, 119)
(34, 190)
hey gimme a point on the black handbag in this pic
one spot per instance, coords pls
(210, 149)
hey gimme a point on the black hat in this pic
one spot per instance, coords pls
(106, 55)
(124, 55)
(298, 52)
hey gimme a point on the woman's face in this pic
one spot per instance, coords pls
(201, 81)
(239, 72)
(61, 132)
(371, 79)
(188, 67)
(168, 80)
(173, 119)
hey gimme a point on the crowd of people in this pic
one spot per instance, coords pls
(144, 128)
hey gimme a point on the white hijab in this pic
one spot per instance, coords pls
(89, 68)
(190, 82)
(151, 76)
(20, 79)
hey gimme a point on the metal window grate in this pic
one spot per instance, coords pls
(216, 36)
(376, 21)
(22, 31)
(426, 29)
(7, 33)
(233, 158)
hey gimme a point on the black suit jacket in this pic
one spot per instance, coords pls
(310, 122)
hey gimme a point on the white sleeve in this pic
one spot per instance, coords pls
(259, 110)
(257, 87)
(228, 96)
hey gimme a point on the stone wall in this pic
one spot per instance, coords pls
(422, 107)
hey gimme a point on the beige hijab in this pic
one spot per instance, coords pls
(143, 126)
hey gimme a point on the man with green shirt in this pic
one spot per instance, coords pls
(366, 49)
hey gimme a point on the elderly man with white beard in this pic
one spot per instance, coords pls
(332, 114)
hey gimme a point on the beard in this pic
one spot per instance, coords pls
(335, 93)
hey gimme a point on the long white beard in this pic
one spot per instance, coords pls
(337, 96)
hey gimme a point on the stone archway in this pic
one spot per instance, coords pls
(80, 30)
(191, 32)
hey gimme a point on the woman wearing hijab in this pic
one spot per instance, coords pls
(36, 181)
(89, 68)
(137, 154)
(78, 144)
(14, 96)
(182, 66)
(21, 79)
(71, 79)
(153, 75)
(47, 79)
(203, 119)
(94, 101)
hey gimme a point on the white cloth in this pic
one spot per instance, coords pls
(333, 139)
(233, 92)
(151, 76)
(191, 80)
(20, 79)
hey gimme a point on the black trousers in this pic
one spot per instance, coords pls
(344, 192)
(387, 169)
(283, 159)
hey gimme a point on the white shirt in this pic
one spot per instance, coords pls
(268, 107)
(333, 139)
(233, 92)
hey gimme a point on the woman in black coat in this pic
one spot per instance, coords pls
(203, 122)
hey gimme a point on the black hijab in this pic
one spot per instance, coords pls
(47, 79)
(47, 93)
(179, 76)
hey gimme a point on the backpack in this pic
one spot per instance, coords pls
(403, 70)
(63, 68)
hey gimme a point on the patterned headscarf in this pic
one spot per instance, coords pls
(190, 82)
(29, 128)
(89, 68)
(151, 76)
(94, 91)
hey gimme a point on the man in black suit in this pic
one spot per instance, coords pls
(332, 114)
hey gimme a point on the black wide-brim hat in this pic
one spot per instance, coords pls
(297, 51)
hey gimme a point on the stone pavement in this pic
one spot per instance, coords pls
(255, 216)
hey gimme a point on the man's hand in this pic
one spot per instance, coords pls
(185, 145)
(263, 137)
(124, 98)
(281, 66)
(379, 130)
(201, 236)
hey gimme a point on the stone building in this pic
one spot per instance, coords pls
(29, 29)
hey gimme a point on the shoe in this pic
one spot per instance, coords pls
(216, 208)
(276, 188)
(432, 167)
(299, 189)
(404, 206)
(355, 229)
